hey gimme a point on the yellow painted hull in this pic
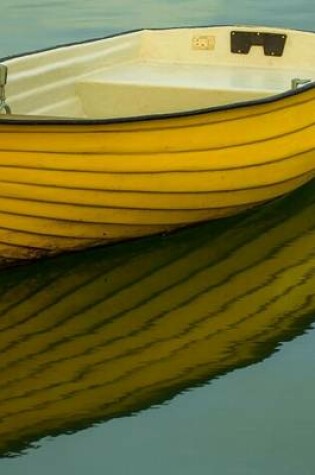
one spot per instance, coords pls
(87, 338)
(71, 186)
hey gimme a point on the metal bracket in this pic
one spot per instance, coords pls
(296, 83)
(272, 43)
(3, 80)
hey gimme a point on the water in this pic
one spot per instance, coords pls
(30, 25)
(186, 354)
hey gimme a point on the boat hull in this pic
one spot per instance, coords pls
(73, 185)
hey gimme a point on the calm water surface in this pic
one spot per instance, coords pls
(187, 354)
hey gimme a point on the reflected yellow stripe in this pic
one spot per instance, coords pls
(96, 336)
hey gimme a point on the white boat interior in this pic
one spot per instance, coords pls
(156, 72)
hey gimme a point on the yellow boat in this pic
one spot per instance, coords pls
(89, 337)
(149, 131)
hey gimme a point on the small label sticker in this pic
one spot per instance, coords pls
(203, 42)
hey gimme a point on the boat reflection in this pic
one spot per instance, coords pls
(93, 336)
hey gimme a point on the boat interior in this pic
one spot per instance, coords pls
(153, 72)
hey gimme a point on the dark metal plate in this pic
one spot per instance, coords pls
(272, 43)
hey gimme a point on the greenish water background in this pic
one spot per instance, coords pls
(28, 25)
(256, 420)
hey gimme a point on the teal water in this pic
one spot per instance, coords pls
(28, 25)
(187, 354)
